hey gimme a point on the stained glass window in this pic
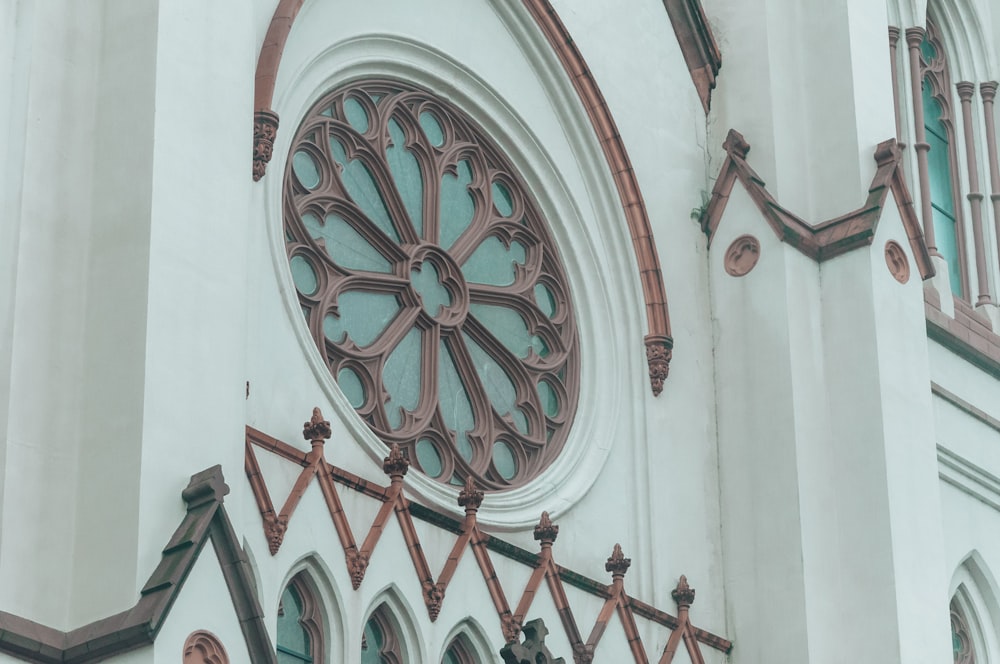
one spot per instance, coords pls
(298, 633)
(431, 284)
(379, 643)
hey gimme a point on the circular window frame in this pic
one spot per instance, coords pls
(581, 205)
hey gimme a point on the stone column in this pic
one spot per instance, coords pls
(914, 37)
(893, 40)
(989, 92)
(965, 92)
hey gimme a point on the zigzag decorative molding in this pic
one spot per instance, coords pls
(616, 600)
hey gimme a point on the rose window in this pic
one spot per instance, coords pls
(430, 284)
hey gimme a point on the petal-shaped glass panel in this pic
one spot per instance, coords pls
(510, 329)
(492, 263)
(428, 457)
(498, 385)
(550, 400)
(503, 460)
(456, 407)
(457, 204)
(356, 114)
(545, 299)
(432, 128)
(502, 200)
(406, 174)
(352, 386)
(361, 186)
(401, 377)
(363, 317)
(304, 275)
(291, 636)
(305, 168)
(345, 245)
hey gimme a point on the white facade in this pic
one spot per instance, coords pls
(823, 463)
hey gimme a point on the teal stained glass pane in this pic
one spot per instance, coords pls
(520, 420)
(457, 204)
(456, 481)
(401, 377)
(356, 114)
(503, 460)
(406, 174)
(428, 457)
(502, 200)
(928, 50)
(545, 299)
(547, 395)
(346, 247)
(432, 128)
(305, 168)
(510, 329)
(492, 263)
(360, 185)
(427, 282)
(456, 407)
(498, 385)
(363, 317)
(304, 275)
(944, 237)
(373, 642)
(352, 386)
(293, 640)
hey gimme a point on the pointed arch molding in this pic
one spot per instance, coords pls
(830, 238)
(658, 341)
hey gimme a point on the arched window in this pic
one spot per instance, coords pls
(300, 636)
(459, 652)
(380, 643)
(203, 647)
(430, 283)
(942, 163)
(963, 645)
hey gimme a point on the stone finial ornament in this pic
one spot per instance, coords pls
(683, 594)
(470, 497)
(617, 564)
(545, 531)
(395, 465)
(533, 649)
(316, 429)
(265, 128)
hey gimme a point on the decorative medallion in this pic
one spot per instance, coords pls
(431, 285)
(742, 255)
(899, 264)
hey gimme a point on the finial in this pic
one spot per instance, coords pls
(617, 564)
(545, 531)
(683, 594)
(316, 429)
(736, 145)
(395, 465)
(470, 497)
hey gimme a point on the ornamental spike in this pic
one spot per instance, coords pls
(316, 429)
(617, 564)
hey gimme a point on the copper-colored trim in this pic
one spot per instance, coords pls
(914, 37)
(203, 647)
(988, 91)
(701, 52)
(829, 238)
(205, 520)
(470, 535)
(650, 273)
(628, 186)
(965, 92)
(894, 33)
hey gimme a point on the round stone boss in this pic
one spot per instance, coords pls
(430, 283)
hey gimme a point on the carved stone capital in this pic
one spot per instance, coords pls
(965, 90)
(470, 497)
(433, 597)
(265, 128)
(894, 33)
(988, 91)
(617, 564)
(914, 36)
(316, 429)
(683, 594)
(545, 531)
(274, 531)
(395, 465)
(357, 564)
(659, 351)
